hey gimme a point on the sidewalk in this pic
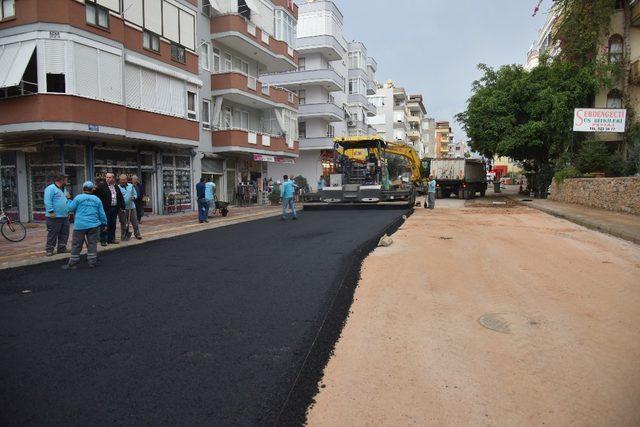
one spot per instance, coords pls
(154, 227)
(620, 225)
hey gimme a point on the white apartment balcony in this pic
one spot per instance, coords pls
(326, 45)
(371, 87)
(328, 78)
(247, 91)
(357, 125)
(356, 98)
(414, 135)
(371, 63)
(237, 33)
(413, 119)
(319, 143)
(326, 111)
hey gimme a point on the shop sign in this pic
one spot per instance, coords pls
(272, 159)
(599, 120)
(94, 128)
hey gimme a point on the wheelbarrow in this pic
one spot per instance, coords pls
(221, 207)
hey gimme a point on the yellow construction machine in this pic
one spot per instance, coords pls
(361, 175)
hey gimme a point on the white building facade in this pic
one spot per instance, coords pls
(332, 82)
(390, 120)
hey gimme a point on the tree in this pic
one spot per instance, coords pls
(593, 156)
(527, 115)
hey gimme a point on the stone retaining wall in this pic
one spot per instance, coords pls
(614, 194)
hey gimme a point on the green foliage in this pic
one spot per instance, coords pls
(593, 156)
(301, 182)
(274, 196)
(580, 28)
(568, 172)
(526, 115)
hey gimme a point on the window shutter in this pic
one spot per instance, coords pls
(187, 30)
(148, 90)
(110, 77)
(132, 86)
(170, 22)
(133, 11)
(153, 15)
(55, 56)
(86, 76)
(178, 98)
(164, 96)
(110, 4)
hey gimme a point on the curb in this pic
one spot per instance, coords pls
(172, 232)
(592, 225)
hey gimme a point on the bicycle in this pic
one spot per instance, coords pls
(13, 231)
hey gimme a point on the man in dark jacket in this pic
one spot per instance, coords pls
(203, 206)
(113, 202)
(140, 192)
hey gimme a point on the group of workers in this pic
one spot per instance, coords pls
(96, 212)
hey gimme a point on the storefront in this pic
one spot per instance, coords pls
(176, 182)
(9, 183)
(129, 162)
(27, 169)
(213, 170)
(48, 160)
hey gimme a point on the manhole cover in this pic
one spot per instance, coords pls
(495, 322)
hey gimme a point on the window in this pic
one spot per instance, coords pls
(285, 27)
(55, 83)
(243, 9)
(7, 9)
(357, 60)
(302, 129)
(302, 97)
(330, 131)
(240, 119)
(151, 41)
(226, 118)
(302, 63)
(96, 15)
(178, 53)
(205, 59)
(216, 60)
(616, 48)
(614, 99)
(206, 114)
(191, 105)
(227, 65)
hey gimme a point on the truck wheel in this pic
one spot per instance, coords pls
(483, 191)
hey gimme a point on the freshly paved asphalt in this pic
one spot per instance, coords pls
(210, 328)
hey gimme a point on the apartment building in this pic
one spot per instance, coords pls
(444, 137)
(320, 83)
(416, 112)
(248, 122)
(95, 86)
(544, 44)
(390, 121)
(429, 137)
(361, 84)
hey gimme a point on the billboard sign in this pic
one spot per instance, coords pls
(599, 120)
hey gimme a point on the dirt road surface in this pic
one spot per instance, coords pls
(560, 345)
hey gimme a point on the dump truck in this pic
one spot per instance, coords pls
(361, 176)
(463, 177)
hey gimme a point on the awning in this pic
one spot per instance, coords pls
(253, 5)
(14, 59)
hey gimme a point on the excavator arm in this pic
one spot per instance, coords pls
(411, 155)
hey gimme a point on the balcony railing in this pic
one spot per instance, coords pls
(240, 81)
(306, 77)
(327, 110)
(23, 88)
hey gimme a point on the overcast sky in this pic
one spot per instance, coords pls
(433, 46)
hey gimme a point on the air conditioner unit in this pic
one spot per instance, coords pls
(351, 123)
